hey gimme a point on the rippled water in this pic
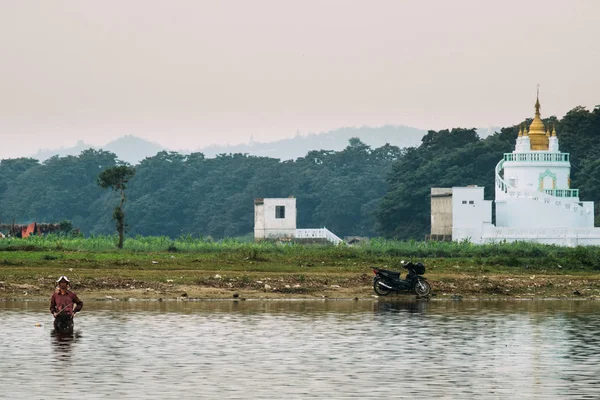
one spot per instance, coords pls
(305, 349)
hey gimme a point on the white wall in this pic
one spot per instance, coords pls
(470, 212)
(259, 219)
(557, 236)
(527, 174)
(267, 226)
(545, 212)
(588, 206)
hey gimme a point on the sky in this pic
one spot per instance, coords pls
(189, 73)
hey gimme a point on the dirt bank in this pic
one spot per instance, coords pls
(291, 286)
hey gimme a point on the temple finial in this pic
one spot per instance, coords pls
(537, 101)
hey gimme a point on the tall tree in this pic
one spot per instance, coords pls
(116, 178)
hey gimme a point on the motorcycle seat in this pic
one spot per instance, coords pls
(391, 274)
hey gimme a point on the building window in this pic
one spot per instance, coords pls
(279, 212)
(464, 202)
(471, 202)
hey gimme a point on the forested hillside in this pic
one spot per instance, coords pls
(174, 194)
(356, 191)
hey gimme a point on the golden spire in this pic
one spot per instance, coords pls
(537, 130)
(520, 130)
(547, 133)
(554, 130)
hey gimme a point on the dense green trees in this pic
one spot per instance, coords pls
(58, 189)
(174, 194)
(357, 191)
(579, 133)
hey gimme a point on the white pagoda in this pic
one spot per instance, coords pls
(534, 198)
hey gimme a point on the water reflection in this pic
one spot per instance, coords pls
(409, 307)
(62, 342)
(307, 349)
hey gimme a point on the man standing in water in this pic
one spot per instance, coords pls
(61, 305)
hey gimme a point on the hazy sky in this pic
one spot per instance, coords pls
(188, 73)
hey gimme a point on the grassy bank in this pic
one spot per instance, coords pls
(501, 254)
(164, 268)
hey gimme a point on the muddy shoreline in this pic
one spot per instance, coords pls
(447, 286)
(111, 276)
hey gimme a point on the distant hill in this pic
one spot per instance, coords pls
(127, 148)
(298, 146)
(133, 149)
(44, 154)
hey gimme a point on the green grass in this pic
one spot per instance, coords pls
(267, 255)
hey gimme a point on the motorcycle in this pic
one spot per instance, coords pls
(386, 281)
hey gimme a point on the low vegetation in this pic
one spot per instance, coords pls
(159, 267)
(507, 255)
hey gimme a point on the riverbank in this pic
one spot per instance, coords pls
(123, 275)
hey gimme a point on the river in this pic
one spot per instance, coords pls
(304, 349)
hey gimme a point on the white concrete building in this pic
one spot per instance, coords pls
(275, 219)
(534, 198)
(470, 213)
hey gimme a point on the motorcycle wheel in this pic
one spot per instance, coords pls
(380, 290)
(422, 288)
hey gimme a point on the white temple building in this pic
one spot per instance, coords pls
(534, 198)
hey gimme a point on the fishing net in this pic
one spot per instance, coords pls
(63, 322)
